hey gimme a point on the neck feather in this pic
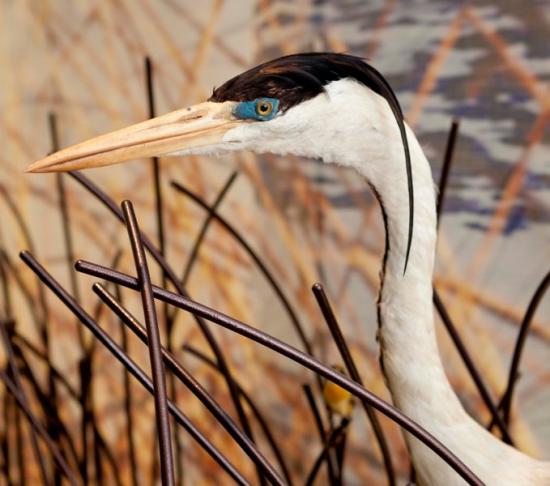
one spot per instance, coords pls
(409, 353)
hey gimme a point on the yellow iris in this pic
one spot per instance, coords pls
(264, 107)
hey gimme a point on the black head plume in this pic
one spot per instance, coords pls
(299, 77)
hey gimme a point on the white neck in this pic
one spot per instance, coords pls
(409, 352)
(360, 131)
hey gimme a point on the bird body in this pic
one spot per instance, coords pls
(337, 108)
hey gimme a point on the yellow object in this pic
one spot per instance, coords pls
(339, 400)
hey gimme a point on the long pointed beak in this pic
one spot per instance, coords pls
(196, 127)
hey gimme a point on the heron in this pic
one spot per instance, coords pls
(341, 110)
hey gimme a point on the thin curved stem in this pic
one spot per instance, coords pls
(445, 317)
(262, 422)
(257, 260)
(159, 214)
(44, 358)
(335, 434)
(193, 385)
(193, 254)
(446, 167)
(132, 367)
(18, 385)
(292, 314)
(205, 225)
(331, 463)
(295, 355)
(343, 348)
(128, 402)
(474, 373)
(506, 401)
(155, 355)
(39, 429)
(171, 276)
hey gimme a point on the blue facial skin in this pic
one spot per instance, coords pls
(247, 110)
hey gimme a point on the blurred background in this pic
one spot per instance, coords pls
(485, 63)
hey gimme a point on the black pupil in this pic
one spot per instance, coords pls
(264, 108)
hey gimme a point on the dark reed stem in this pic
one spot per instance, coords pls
(130, 365)
(19, 448)
(474, 373)
(99, 307)
(98, 465)
(44, 400)
(513, 374)
(16, 379)
(5, 287)
(331, 463)
(42, 322)
(85, 385)
(295, 355)
(194, 387)
(128, 401)
(446, 319)
(193, 258)
(85, 382)
(60, 461)
(65, 219)
(340, 446)
(193, 255)
(155, 355)
(6, 449)
(99, 441)
(171, 276)
(106, 451)
(204, 228)
(343, 349)
(155, 161)
(446, 167)
(25, 291)
(328, 445)
(159, 213)
(24, 342)
(299, 328)
(262, 421)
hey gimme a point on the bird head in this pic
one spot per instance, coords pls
(335, 107)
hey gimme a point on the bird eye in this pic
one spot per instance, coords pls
(264, 107)
(260, 109)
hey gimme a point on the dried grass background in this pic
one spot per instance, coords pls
(84, 61)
